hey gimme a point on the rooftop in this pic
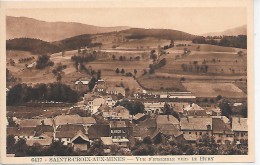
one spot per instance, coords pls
(239, 124)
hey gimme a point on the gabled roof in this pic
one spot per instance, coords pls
(239, 124)
(169, 130)
(166, 119)
(193, 106)
(149, 123)
(117, 124)
(20, 131)
(68, 130)
(67, 119)
(34, 122)
(202, 123)
(42, 142)
(40, 129)
(98, 130)
(224, 118)
(81, 135)
(88, 120)
(218, 126)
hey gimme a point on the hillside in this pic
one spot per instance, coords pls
(138, 33)
(241, 30)
(23, 27)
(34, 46)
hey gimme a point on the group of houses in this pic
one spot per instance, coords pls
(114, 125)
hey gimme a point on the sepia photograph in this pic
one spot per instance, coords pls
(127, 83)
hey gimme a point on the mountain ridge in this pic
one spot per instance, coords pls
(24, 27)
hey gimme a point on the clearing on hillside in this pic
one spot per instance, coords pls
(205, 89)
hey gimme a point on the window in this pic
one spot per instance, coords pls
(189, 132)
(196, 133)
(200, 133)
(218, 141)
(242, 134)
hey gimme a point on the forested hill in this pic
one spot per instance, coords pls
(35, 46)
(139, 33)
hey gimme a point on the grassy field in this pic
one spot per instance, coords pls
(218, 63)
(153, 82)
(205, 89)
(30, 112)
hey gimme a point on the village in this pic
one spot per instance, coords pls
(113, 123)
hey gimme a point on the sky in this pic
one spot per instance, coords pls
(193, 20)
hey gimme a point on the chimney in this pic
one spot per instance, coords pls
(190, 104)
(239, 120)
(168, 117)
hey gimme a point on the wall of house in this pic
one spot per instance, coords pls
(198, 133)
(223, 138)
(241, 136)
(81, 147)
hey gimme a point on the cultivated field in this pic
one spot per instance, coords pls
(161, 83)
(205, 89)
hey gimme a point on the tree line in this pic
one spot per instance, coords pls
(239, 41)
(22, 93)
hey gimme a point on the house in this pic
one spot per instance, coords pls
(67, 119)
(21, 132)
(110, 100)
(105, 111)
(168, 132)
(213, 111)
(108, 143)
(88, 121)
(42, 142)
(179, 106)
(121, 142)
(80, 142)
(44, 135)
(81, 85)
(116, 90)
(44, 132)
(120, 129)
(192, 106)
(116, 113)
(162, 120)
(224, 118)
(194, 110)
(100, 87)
(93, 102)
(153, 107)
(144, 128)
(194, 128)
(97, 131)
(121, 113)
(139, 117)
(34, 122)
(240, 129)
(65, 133)
(222, 133)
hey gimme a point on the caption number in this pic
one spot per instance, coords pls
(36, 159)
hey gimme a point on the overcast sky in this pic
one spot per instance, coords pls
(191, 20)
